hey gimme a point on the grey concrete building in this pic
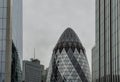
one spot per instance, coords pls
(32, 71)
(10, 40)
(44, 73)
(106, 52)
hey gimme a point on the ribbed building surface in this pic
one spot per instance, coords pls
(106, 52)
(69, 62)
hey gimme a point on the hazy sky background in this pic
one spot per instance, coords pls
(45, 20)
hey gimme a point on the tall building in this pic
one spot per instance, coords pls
(43, 74)
(10, 40)
(69, 62)
(32, 71)
(106, 52)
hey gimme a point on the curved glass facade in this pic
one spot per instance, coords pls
(69, 62)
(17, 30)
(16, 73)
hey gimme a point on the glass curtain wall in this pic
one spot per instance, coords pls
(106, 53)
(3, 18)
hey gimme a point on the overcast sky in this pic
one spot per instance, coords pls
(45, 20)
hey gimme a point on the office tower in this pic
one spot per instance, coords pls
(43, 73)
(10, 40)
(106, 52)
(32, 71)
(69, 62)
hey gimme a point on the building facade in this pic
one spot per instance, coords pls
(32, 71)
(16, 73)
(69, 62)
(106, 52)
(10, 34)
(43, 73)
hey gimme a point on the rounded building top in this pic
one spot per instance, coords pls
(68, 36)
(69, 39)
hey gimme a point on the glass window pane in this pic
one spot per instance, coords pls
(4, 34)
(3, 56)
(0, 46)
(4, 45)
(0, 23)
(4, 13)
(5, 3)
(3, 67)
(1, 3)
(4, 23)
(3, 77)
(0, 34)
(0, 56)
(1, 12)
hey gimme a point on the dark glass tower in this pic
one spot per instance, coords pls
(106, 53)
(69, 62)
(16, 74)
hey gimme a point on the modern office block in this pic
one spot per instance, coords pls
(43, 73)
(10, 40)
(106, 52)
(32, 71)
(69, 62)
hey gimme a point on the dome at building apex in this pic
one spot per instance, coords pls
(69, 39)
(69, 36)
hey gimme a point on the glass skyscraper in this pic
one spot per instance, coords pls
(10, 40)
(106, 52)
(69, 62)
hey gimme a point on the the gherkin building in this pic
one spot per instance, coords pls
(69, 62)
